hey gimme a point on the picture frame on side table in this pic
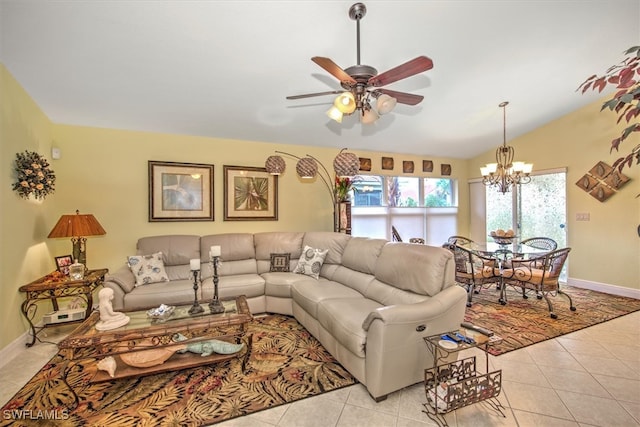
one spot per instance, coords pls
(180, 191)
(62, 264)
(250, 194)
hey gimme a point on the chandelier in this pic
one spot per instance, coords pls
(505, 172)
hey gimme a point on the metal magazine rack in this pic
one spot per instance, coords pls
(452, 385)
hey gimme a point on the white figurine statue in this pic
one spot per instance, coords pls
(109, 319)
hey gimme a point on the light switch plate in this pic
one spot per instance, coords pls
(55, 153)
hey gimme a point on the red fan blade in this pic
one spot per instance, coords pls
(334, 69)
(408, 69)
(402, 97)
(309, 95)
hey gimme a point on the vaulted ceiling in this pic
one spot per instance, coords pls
(223, 68)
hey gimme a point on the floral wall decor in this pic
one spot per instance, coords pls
(33, 176)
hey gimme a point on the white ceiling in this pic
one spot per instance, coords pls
(223, 68)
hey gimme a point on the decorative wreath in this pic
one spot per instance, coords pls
(33, 176)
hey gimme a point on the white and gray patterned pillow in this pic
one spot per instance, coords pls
(148, 268)
(311, 261)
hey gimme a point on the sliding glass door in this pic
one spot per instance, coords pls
(531, 210)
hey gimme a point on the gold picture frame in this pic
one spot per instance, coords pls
(250, 194)
(180, 191)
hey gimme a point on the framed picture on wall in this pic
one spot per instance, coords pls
(180, 191)
(250, 194)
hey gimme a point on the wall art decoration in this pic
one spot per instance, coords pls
(365, 164)
(602, 181)
(427, 166)
(33, 176)
(387, 163)
(180, 191)
(250, 194)
(407, 166)
(445, 169)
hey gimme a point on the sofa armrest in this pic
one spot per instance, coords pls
(426, 311)
(396, 354)
(123, 278)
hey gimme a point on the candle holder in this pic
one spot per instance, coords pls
(215, 306)
(196, 308)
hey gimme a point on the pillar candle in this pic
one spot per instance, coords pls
(195, 264)
(215, 251)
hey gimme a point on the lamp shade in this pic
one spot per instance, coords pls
(369, 116)
(275, 165)
(335, 114)
(307, 167)
(385, 104)
(78, 225)
(346, 164)
(345, 102)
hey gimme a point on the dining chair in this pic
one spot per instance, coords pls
(473, 270)
(540, 274)
(543, 243)
(460, 240)
(395, 235)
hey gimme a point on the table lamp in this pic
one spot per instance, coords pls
(78, 227)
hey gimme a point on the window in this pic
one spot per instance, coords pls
(416, 207)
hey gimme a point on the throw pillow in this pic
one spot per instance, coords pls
(148, 268)
(280, 262)
(311, 261)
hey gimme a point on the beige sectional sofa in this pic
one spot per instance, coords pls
(370, 307)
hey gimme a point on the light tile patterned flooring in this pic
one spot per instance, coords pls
(587, 378)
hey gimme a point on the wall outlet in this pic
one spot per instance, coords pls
(583, 216)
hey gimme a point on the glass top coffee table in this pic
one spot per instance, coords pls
(151, 344)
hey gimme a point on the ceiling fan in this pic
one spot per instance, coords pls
(361, 83)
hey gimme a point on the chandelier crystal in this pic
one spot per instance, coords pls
(505, 173)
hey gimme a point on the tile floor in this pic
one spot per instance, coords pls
(587, 378)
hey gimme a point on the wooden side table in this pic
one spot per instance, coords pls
(51, 287)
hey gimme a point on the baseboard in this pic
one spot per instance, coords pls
(15, 348)
(604, 287)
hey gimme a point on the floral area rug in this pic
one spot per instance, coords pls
(285, 364)
(523, 322)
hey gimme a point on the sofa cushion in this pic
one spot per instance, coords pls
(311, 261)
(280, 262)
(415, 268)
(343, 319)
(279, 284)
(148, 268)
(277, 242)
(361, 254)
(238, 254)
(335, 242)
(176, 250)
(171, 293)
(309, 293)
(249, 285)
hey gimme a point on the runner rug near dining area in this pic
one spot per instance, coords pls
(523, 322)
(285, 364)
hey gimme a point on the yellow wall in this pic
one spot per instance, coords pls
(24, 223)
(605, 249)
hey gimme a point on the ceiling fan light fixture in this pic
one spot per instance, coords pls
(345, 102)
(335, 114)
(385, 103)
(275, 165)
(306, 168)
(369, 116)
